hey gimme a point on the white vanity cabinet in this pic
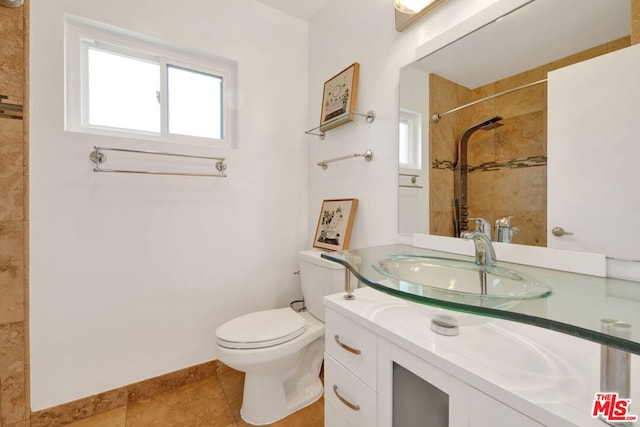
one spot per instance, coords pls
(406, 401)
(362, 379)
(350, 376)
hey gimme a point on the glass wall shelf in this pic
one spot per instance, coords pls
(575, 305)
(369, 116)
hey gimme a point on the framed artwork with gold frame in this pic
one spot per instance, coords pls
(335, 223)
(339, 98)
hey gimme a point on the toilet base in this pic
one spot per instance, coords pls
(267, 398)
(259, 416)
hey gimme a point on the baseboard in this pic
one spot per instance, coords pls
(112, 399)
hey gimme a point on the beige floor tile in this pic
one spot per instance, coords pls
(233, 385)
(311, 416)
(232, 382)
(201, 404)
(212, 402)
(114, 418)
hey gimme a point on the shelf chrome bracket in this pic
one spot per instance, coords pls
(370, 117)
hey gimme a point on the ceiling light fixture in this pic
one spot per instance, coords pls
(411, 6)
(408, 12)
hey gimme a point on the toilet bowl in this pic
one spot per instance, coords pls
(281, 350)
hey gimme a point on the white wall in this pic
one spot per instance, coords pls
(363, 31)
(131, 274)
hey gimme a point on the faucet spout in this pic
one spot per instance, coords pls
(485, 254)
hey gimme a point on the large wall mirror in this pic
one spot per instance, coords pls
(501, 130)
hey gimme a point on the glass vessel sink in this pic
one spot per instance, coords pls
(460, 277)
(576, 306)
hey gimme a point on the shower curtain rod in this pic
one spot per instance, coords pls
(438, 116)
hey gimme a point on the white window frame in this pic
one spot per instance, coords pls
(414, 137)
(81, 33)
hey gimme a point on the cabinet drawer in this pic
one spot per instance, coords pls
(353, 346)
(347, 400)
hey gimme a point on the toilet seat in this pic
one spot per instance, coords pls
(261, 329)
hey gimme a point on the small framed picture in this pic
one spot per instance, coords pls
(339, 98)
(335, 223)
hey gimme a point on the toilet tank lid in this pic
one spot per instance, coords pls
(313, 256)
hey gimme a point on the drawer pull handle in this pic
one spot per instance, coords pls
(346, 347)
(345, 401)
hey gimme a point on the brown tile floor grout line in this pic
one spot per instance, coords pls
(226, 396)
(213, 401)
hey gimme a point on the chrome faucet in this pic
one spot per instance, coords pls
(485, 255)
(482, 225)
(504, 230)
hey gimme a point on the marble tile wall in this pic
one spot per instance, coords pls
(635, 21)
(508, 167)
(13, 225)
(443, 96)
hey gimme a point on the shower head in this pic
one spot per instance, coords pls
(492, 123)
(491, 126)
(488, 124)
(11, 3)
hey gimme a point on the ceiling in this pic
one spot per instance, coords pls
(303, 9)
(539, 33)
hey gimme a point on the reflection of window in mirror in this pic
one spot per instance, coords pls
(409, 148)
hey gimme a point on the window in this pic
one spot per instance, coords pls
(410, 140)
(123, 84)
(122, 92)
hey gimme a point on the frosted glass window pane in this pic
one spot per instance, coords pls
(194, 103)
(123, 92)
(404, 147)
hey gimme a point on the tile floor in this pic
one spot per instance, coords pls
(212, 402)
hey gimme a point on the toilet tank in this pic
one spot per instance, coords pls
(318, 277)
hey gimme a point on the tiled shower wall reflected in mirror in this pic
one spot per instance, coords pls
(14, 410)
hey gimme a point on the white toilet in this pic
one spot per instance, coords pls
(281, 350)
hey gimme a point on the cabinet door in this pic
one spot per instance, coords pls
(593, 151)
(485, 411)
(348, 402)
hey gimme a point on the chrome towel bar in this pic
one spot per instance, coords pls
(98, 157)
(368, 155)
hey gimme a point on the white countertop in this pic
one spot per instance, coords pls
(549, 376)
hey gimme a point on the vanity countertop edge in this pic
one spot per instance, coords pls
(403, 324)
